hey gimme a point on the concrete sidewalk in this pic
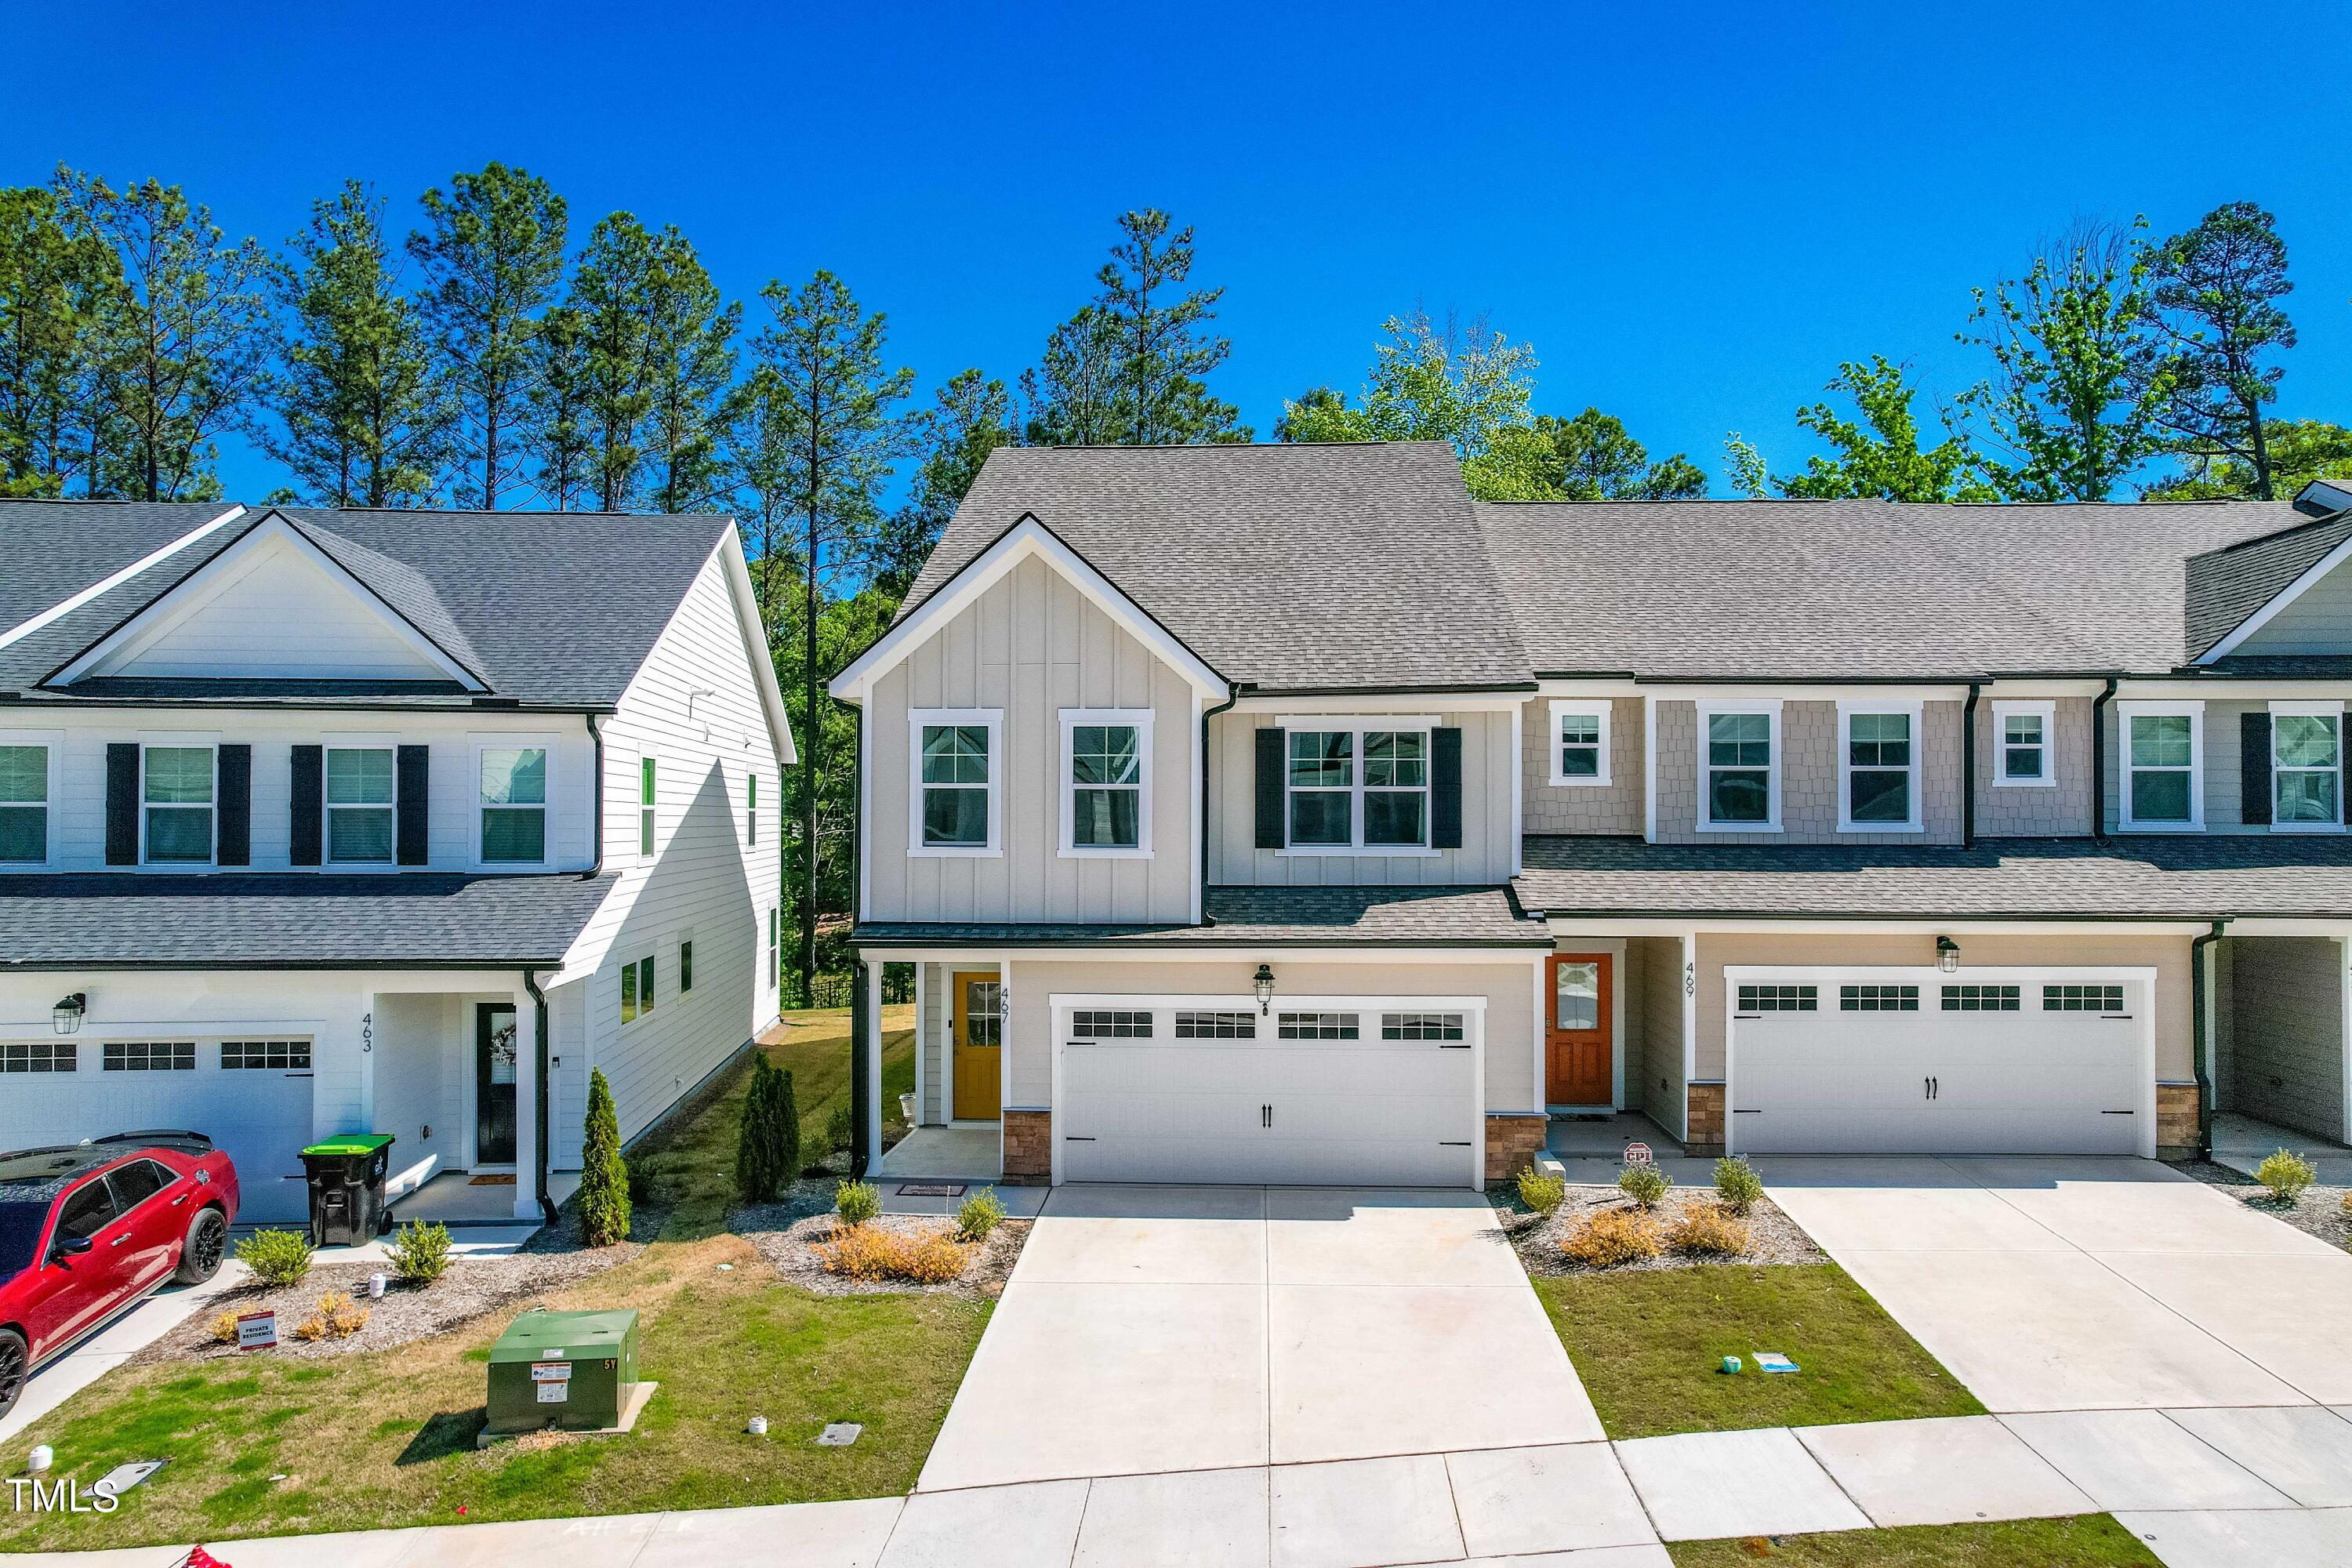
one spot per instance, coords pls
(2203, 1489)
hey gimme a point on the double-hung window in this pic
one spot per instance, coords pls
(957, 783)
(1878, 768)
(1106, 781)
(2163, 787)
(176, 796)
(1739, 778)
(2306, 766)
(752, 809)
(2020, 742)
(514, 804)
(360, 783)
(24, 803)
(646, 795)
(1358, 786)
(1580, 743)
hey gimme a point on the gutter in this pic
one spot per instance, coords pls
(2200, 1036)
(2099, 759)
(596, 771)
(1969, 766)
(539, 1111)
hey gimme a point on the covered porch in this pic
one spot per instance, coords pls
(2278, 1011)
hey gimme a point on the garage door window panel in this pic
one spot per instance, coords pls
(2307, 769)
(1981, 998)
(264, 1056)
(2082, 999)
(2164, 767)
(1878, 998)
(1780, 998)
(39, 1056)
(1439, 1027)
(1879, 789)
(177, 795)
(1216, 1025)
(23, 804)
(149, 1055)
(1740, 785)
(1315, 1026)
(1098, 1024)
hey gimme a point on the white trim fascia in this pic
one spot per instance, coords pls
(2042, 707)
(1706, 709)
(2293, 591)
(1599, 686)
(1025, 539)
(1353, 719)
(864, 806)
(729, 554)
(993, 719)
(1385, 706)
(1846, 708)
(1140, 719)
(1602, 708)
(1585, 927)
(2282, 708)
(1778, 693)
(2029, 687)
(107, 584)
(200, 587)
(1648, 767)
(1236, 952)
(2227, 690)
(53, 744)
(2193, 710)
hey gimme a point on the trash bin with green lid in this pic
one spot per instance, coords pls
(572, 1372)
(346, 1175)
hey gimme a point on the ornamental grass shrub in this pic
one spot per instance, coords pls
(1609, 1238)
(980, 1213)
(1709, 1230)
(874, 1253)
(2286, 1174)
(1541, 1193)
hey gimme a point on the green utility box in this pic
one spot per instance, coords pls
(571, 1371)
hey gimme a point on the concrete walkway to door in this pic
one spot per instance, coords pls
(1157, 1329)
(2050, 1283)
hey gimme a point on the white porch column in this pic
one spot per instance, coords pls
(526, 1188)
(872, 1045)
(371, 1029)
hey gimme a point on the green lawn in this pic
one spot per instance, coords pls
(1648, 1345)
(2090, 1540)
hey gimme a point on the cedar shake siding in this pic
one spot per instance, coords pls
(1614, 807)
(1808, 766)
(2061, 808)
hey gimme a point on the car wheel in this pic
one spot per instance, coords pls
(14, 1361)
(201, 1254)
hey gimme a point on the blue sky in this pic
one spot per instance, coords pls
(1693, 211)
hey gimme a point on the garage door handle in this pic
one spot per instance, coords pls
(1265, 1116)
(1075, 1138)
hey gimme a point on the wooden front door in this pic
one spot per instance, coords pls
(978, 1046)
(1580, 1050)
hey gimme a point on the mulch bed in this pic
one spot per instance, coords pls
(1772, 1236)
(2319, 1212)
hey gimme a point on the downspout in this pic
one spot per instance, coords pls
(861, 1157)
(1232, 695)
(596, 771)
(539, 1111)
(1969, 766)
(2099, 759)
(2200, 1035)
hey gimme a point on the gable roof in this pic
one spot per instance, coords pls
(1286, 568)
(549, 609)
(2230, 587)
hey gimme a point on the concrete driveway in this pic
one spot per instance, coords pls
(1157, 1329)
(2084, 1284)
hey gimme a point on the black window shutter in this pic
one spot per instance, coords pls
(2255, 769)
(415, 795)
(122, 804)
(1445, 788)
(306, 845)
(232, 818)
(1273, 813)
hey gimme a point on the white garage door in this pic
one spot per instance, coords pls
(1909, 1061)
(259, 1114)
(1349, 1095)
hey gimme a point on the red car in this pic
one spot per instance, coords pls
(87, 1229)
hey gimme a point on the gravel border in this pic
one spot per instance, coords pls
(1772, 1236)
(2319, 1212)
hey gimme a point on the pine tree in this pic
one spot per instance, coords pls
(2217, 289)
(689, 360)
(556, 424)
(972, 417)
(604, 1175)
(60, 295)
(609, 293)
(492, 251)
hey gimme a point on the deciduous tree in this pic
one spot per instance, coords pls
(1877, 456)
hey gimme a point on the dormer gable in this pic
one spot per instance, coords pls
(2284, 595)
(275, 605)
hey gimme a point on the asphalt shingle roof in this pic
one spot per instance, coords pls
(1287, 567)
(2177, 877)
(416, 920)
(1263, 917)
(548, 609)
(2229, 584)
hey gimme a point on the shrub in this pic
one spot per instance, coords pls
(768, 1147)
(841, 1128)
(225, 1328)
(1708, 1229)
(1612, 1237)
(871, 1253)
(855, 1203)
(276, 1257)
(1541, 1193)
(979, 1215)
(603, 1174)
(1645, 1185)
(1737, 1184)
(338, 1318)
(2286, 1174)
(420, 1252)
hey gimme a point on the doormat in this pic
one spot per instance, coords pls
(931, 1190)
(493, 1179)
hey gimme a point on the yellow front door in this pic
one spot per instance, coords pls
(978, 1047)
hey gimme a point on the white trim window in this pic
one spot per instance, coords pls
(24, 802)
(176, 801)
(648, 793)
(2306, 767)
(752, 810)
(2164, 767)
(2023, 732)
(956, 786)
(1579, 741)
(1107, 781)
(1358, 785)
(1739, 767)
(1879, 767)
(361, 782)
(636, 989)
(511, 819)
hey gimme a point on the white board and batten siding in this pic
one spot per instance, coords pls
(695, 709)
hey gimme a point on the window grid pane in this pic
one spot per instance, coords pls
(1739, 767)
(149, 1055)
(1981, 998)
(1315, 1026)
(1421, 1026)
(266, 1055)
(1216, 1025)
(2082, 999)
(1103, 1024)
(1878, 998)
(1780, 999)
(37, 1055)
